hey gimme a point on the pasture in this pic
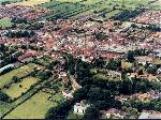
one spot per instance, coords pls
(105, 9)
(19, 72)
(17, 89)
(31, 2)
(34, 108)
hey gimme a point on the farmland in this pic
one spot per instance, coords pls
(80, 59)
(9, 1)
(17, 89)
(67, 9)
(34, 108)
(32, 2)
(19, 72)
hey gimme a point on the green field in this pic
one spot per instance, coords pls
(16, 89)
(31, 2)
(107, 9)
(11, 1)
(35, 107)
(5, 23)
(19, 72)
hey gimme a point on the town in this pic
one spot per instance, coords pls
(80, 59)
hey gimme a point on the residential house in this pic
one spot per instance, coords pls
(80, 108)
(150, 115)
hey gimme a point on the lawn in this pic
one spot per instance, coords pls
(19, 72)
(5, 23)
(17, 89)
(34, 108)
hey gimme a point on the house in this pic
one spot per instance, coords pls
(143, 59)
(157, 53)
(68, 94)
(27, 56)
(159, 71)
(80, 108)
(113, 113)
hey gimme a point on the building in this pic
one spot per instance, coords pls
(113, 113)
(150, 115)
(80, 108)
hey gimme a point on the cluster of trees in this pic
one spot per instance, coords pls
(19, 20)
(5, 2)
(4, 97)
(9, 55)
(154, 27)
(59, 112)
(127, 14)
(92, 87)
(44, 74)
(35, 26)
(101, 36)
(20, 33)
(139, 105)
(141, 52)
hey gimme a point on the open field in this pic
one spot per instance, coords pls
(19, 72)
(17, 89)
(35, 107)
(107, 9)
(31, 2)
(8, 0)
(5, 23)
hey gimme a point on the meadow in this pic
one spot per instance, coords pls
(34, 108)
(19, 72)
(31, 2)
(105, 9)
(17, 89)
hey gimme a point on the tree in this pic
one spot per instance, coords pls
(114, 64)
(92, 113)
(101, 36)
(4, 97)
(130, 56)
(152, 69)
(59, 112)
(16, 79)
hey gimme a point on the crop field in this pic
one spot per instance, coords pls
(17, 89)
(9, 1)
(35, 107)
(5, 23)
(99, 8)
(19, 72)
(31, 2)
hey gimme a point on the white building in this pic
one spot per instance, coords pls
(80, 108)
(150, 115)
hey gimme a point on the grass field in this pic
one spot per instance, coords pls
(70, 8)
(31, 2)
(17, 89)
(19, 72)
(11, 1)
(34, 108)
(5, 23)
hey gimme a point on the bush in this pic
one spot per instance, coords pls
(4, 97)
